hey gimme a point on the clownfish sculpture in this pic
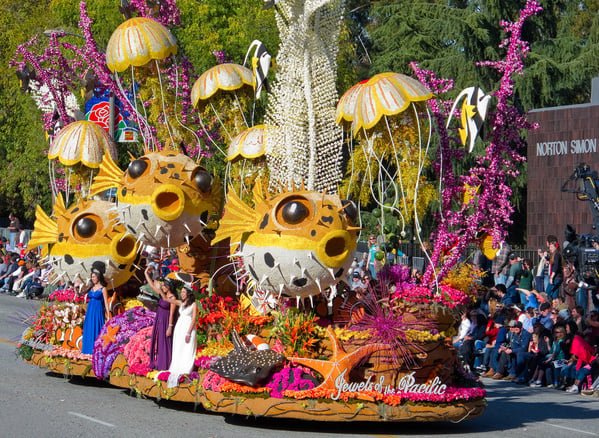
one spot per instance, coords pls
(294, 244)
(164, 198)
(473, 114)
(83, 237)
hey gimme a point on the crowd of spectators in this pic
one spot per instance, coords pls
(537, 325)
(20, 271)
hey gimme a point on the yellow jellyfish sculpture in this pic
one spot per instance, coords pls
(246, 159)
(347, 106)
(393, 144)
(80, 146)
(135, 43)
(250, 143)
(222, 77)
(138, 41)
(386, 94)
(226, 89)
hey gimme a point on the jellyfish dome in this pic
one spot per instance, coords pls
(136, 42)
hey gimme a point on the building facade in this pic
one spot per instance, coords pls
(567, 136)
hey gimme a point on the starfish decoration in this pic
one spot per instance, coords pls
(340, 361)
(110, 335)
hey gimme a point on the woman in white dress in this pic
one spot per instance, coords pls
(184, 337)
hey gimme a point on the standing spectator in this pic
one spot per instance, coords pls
(23, 237)
(541, 273)
(369, 257)
(500, 265)
(14, 228)
(555, 267)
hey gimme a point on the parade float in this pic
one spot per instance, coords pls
(269, 250)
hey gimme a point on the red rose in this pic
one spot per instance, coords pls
(100, 114)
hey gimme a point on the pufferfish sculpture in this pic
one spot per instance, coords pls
(164, 198)
(83, 237)
(294, 244)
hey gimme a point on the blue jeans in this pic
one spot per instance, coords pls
(500, 279)
(540, 284)
(582, 299)
(478, 359)
(553, 289)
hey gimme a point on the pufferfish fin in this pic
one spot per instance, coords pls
(45, 230)
(59, 206)
(238, 219)
(109, 176)
(217, 192)
(258, 192)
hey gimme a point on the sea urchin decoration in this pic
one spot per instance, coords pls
(389, 321)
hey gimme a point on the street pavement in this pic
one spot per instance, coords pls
(34, 402)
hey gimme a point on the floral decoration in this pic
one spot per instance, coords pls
(137, 352)
(290, 379)
(129, 323)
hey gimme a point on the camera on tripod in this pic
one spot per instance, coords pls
(583, 252)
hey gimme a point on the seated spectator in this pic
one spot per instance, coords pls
(511, 354)
(591, 333)
(550, 368)
(482, 363)
(527, 319)
(578, 318)
(579, 365)
(476, 332)
(500, 340)
(539, 351)
(529, 298)
(544, 316)
(356, 281)
(465, 324)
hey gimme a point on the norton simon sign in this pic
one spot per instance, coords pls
(565, 147)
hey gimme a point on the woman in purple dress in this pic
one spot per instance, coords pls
(161, 344)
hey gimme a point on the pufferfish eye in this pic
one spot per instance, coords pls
(294, 212)
(137, 168)
(85, 227)
(350, 209)
(203, 181)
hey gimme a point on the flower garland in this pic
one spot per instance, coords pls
(115, 335)
(66, 295)
(68, 353)
(214, 382)
(204, 362)
(447, 296)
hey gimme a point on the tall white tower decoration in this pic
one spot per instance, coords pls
(307, 148)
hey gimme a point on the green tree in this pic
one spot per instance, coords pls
(24, 166)
(227, 25)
